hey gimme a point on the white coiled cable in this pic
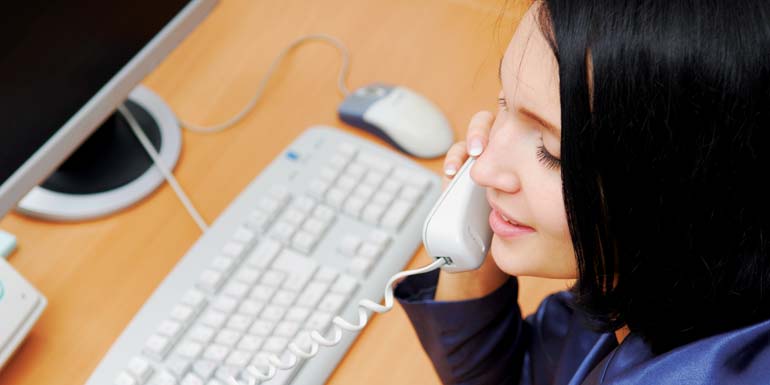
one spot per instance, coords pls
(340, 323)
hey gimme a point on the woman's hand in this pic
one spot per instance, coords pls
(487, 278)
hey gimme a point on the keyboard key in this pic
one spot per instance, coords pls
(239, 322)
(325, 274)
(294, 217)
(239, 358)
(383, 198)
(353, 206)
(297, 314)
(363, 192)
(273, 278)
(195, 299)
(349, 245)
(250, 343)
(299, 268)
(369, 251)
(189, 350)
(201, 333)
(204, 368)
(124, 378)
(304, 205)
(312, 294)
(216, 353)
(258, 221)
(164, 378)
(251, 307)
(273, 313)
(178, 366)
(345, 285)
(391, 186)
(287, 329)
(275, 344)
(247, 275)
(397, 213)
(227, 338)
(191, 379)
(214, 319)
(411, 194)
(374, 178)
(263, 254)
(379, 238)
(315, 226)
(329, 173)
(360, 266)
(210, 280)
(304, 241)
(347, 183)
(225, 304)
(244, 235)
(356, 171)
(335, 197)
(222, 264)
(263, 293)
(372, 213)
(281, 194)
(262, 327)
(282, 231)
(317, 188)
(338, 162)
(318, 321)
(140, 368)
(157, 346)
(170, 329)
(236, 289)
(332, 303)
(284, 298)
(234, 249)
(324, 213)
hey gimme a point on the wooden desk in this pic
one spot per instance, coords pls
(97, 274)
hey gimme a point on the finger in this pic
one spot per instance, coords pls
(455, 157)
(478, 132)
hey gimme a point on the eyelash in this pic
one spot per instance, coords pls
(548, 160)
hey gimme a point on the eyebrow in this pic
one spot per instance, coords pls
(526, 112)
(500, 70)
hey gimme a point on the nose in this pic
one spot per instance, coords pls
(494, 168)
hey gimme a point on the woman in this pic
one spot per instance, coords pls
(629, 153)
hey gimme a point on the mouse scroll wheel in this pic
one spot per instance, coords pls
(371, 91)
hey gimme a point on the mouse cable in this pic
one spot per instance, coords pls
(162, 167)
(295, 353)
(266, 78)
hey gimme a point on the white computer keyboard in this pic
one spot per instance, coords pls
(323, 226)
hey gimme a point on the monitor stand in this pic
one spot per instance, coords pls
(110, 171)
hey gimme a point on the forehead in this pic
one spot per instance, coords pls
(529, 72)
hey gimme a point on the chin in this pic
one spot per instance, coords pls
(527, 257)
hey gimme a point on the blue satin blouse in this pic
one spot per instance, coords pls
(485, 341)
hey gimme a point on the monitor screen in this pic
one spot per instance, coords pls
(64, 68)
(55, 55)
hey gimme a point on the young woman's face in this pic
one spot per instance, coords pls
(519, 167)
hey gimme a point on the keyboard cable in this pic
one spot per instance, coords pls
(166, 172)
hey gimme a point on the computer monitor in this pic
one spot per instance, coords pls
(65, 66)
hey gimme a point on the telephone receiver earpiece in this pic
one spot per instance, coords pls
(457, 228)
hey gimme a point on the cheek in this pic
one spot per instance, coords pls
(548, 252)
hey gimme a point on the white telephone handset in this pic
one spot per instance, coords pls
(457, 228)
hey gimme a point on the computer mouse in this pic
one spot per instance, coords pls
(401, 117)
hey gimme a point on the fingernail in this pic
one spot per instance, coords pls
(476, 147)
(450, 170)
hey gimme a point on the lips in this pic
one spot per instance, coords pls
(506, 227)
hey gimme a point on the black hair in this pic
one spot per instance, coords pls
(665, 151)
